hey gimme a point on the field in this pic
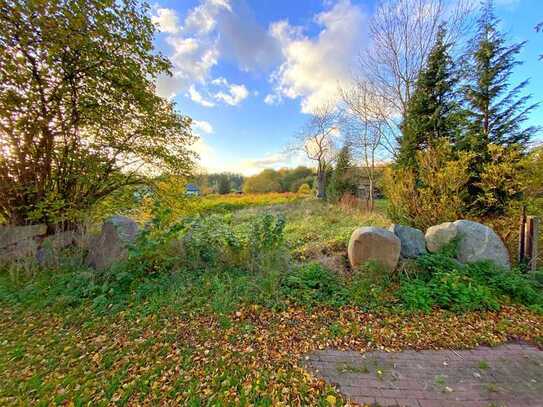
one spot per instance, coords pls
(263, 281)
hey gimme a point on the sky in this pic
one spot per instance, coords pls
(248, 72)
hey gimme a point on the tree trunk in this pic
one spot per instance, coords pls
(370, 196)
(321, 184)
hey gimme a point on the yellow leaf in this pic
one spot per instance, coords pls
(331, 400)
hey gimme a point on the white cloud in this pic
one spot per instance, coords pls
(314, 67)
(208, 157)
(234, 94)
(202, 125)
(275, 161)
(213, 30)
(167, 20)
(197, 97)
(272, 99)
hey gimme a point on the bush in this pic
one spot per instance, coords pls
(312, 284)
(445, 283)
(433, 195)
(304, 189)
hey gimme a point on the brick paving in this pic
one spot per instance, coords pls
(509, 375)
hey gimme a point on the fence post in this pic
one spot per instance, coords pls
(531, 237)
(522, 236)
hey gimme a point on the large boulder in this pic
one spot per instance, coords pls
(374, 244)
(440, 235)
(412, 240)
(476, 242)
(112, 243)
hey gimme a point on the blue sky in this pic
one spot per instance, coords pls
(248, 71)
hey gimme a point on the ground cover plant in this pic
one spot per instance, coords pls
(226, 321)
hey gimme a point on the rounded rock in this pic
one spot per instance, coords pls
(373, 244)
(413, 243)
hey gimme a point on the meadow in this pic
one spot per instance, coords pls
(261, 281)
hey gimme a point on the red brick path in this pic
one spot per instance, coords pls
(509, 375)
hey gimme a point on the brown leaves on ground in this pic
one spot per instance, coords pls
(250, 357)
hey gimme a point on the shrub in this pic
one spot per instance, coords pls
(433, 195)
(312, 284)
(369, 287)
(304, 189)
(445, 283)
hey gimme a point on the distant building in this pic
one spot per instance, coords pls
(192, 190)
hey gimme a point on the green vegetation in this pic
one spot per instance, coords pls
(221, 295)
(283, 180)
(224, 318)
(252, 257)
(78, 108)
(464, 145)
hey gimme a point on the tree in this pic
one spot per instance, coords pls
(343, 177)
(367, 128)
(266, 181)
(495, 111)
(402, 34)
(79, 117)
(317, 141)
(223, 186)
(433, 111)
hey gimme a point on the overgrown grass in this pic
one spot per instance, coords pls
(315, 228)
(223, 320)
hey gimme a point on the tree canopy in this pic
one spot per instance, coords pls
(79, 116)
(433, 110)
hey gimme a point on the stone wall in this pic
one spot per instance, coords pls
(31, 242)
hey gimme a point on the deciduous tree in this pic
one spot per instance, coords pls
(79, 117)
(318, 141)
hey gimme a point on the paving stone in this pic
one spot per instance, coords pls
(509, 375)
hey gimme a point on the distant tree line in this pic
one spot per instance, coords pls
(282, 180)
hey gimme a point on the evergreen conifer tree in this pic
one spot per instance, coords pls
(433, 110)
(496, 111)
(342, 176)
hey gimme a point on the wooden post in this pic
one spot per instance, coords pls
(522, 236)
(531, 237)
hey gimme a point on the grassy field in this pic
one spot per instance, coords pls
(232, 330)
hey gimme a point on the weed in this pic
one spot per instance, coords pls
(312, 284)
(349, 368)
(483, 365)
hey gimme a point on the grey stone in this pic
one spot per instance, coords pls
(412, 240)
(112, 244)
(478, 242)
(50, 247)
(23, 249)
(374, 244)
(439, 236)
(10, 235)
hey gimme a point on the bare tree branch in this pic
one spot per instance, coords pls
(317, 140)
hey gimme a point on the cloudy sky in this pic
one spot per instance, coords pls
(248, 71)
